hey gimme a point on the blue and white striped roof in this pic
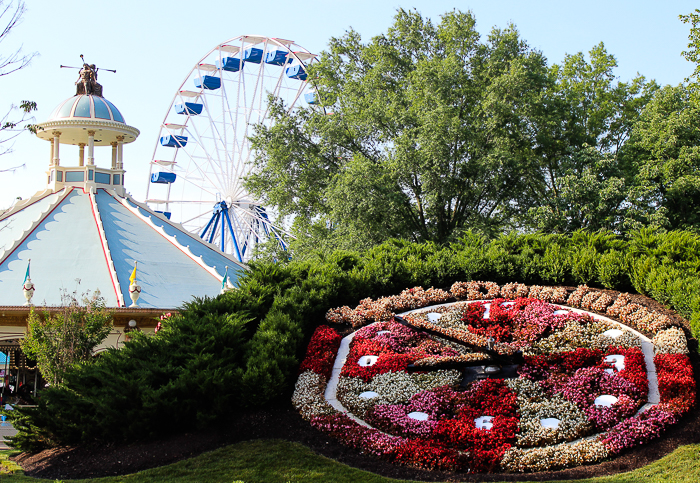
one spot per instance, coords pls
(80, 241)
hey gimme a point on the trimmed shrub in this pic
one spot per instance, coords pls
(185, 377)
(612, 270)
(243, 348)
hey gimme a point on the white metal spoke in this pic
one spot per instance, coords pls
(210, 167)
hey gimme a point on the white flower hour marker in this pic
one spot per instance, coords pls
(614, 333)
(550, 423)
(617, 360)
(434, 316)
(606, 400)
(367, 361)
(418, 416)
(484, 422)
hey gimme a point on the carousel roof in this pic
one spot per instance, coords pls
(81, 240)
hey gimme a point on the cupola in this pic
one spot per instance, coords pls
(86, 120)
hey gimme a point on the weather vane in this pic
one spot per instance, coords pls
(87, 80)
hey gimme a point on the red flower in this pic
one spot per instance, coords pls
(498, 325)
(490, 397)
(635, 370)
(430, 455)
(676, 382)
(385, 363)
(542, 367)
(321, 353)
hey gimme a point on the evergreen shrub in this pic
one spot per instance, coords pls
(242, 349)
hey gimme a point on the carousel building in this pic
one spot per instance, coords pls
(84, 233)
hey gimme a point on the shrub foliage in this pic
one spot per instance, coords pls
(242, 349)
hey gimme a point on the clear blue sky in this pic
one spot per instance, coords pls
(154, 44)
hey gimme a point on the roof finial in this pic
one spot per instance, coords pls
(134, 288)
(28, 286)
(224, 281)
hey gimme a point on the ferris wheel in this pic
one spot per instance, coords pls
(202, 153)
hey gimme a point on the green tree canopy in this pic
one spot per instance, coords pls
(665, 150)
(426, 130)
(693, 52)
(587, 116)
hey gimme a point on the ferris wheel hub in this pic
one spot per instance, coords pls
(220, 206)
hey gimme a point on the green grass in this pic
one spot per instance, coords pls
(281, 461)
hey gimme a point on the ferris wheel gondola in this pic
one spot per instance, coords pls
(203, 153)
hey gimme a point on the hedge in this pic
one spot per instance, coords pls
(242, 349)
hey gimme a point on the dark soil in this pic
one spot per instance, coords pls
(283, 422)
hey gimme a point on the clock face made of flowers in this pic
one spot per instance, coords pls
(513, 383)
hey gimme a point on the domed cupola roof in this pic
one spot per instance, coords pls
(84, 107)
(87, 117)
(86, 120)
(78, 115)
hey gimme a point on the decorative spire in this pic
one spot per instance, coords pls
(134, 288)
(28, 287)
(224, 281)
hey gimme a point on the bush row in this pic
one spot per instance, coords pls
(242, 349)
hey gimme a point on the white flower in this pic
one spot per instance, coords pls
(628, 340)
(553, 457)
(535, 406)
(574, 335)
(309, 395)
(670, 341)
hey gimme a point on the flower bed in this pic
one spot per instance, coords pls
(580, 394)
(320, 354)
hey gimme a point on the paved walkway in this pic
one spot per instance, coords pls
(6, 430)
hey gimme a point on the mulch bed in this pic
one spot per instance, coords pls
(283, 422)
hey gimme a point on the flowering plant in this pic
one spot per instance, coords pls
(163, 317)
(400, 394)
(320, 354)
(676, 382)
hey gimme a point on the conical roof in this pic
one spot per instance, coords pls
(81, 240)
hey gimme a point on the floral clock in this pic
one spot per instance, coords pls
(510, 378)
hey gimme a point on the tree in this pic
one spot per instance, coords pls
(587, 118)
(665, 150)
(693, 52)
(10, 125)
(426, 131)
(59, 342)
